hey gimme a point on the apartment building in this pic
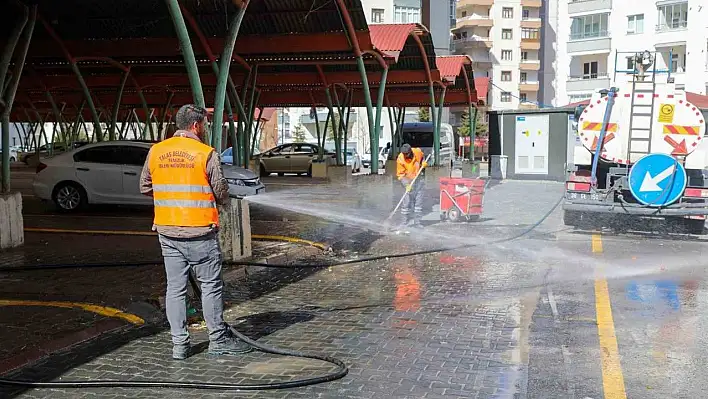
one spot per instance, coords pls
(595, 41)
(503, 37)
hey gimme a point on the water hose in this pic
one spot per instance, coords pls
(339, 373)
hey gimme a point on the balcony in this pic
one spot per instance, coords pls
(588, 83)
(474, 21)
(532, 23)
(528, 86)
(589, 42)
(531, 3)
(471, 3)
(472, 42)
(530, 65)
(530, 44)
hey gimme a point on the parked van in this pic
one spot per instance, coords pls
(421, 135)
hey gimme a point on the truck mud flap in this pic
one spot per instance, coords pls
(635, 210)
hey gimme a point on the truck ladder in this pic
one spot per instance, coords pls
(640, 118)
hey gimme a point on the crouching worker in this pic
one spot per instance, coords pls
(184, 177)
(410, 161)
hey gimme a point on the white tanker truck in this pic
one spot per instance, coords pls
(643, 154)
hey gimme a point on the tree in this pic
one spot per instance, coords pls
(481, 128)
(424, 114)
(299, 134)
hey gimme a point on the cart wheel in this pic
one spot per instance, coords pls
(453, 214)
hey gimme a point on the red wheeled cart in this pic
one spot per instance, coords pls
(461, 198)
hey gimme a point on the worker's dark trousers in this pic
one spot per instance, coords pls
(414, 202)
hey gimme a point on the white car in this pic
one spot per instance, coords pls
(13, 154)
(109, 173)
(354, 160)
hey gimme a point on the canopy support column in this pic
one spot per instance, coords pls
(187, 52)
(9, 98)
(223, 75)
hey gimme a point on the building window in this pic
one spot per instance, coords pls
(506, 55)
(590, 70)
(589, 26)
(524, 56)
(507, 34)
(377, 15)
(635, 24)
(525, 14)
(505, 97)
(506, 76)
(524, 77)
(672, 17)
(464, 14)
(630, 63)
(530, 33)
(507, 13)
(523, 97)
(406, 15)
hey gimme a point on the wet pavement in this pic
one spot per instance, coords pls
(554, 313)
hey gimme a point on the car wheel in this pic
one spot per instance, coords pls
(309, 171)
(281, 174)
(12, 159)
(264, 172)
(69, 197)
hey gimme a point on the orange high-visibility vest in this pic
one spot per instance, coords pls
(409, 168)
(181, 190)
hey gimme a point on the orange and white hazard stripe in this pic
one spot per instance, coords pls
(684, 130)
(597, 126)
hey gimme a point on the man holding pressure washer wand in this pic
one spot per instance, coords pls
(185, 179)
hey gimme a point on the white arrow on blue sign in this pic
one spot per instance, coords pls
(657, 180)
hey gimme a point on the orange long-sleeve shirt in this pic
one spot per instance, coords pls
(409, 167)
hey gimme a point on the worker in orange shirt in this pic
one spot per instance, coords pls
(410, 161)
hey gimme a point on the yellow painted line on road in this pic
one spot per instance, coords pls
(293, 240)
(100, 310)
(258, 237)
(612, 377)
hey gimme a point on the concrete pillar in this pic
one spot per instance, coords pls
(235, 230)
(12, 232)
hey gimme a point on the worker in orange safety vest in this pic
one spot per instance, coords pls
(409, 162)
(185, 179)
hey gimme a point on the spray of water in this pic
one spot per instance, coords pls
(509, 209)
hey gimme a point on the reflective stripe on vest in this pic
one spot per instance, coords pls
(182, 193)
(185, 203)
(180, 188)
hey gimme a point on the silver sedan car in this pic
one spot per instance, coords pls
(242, 182)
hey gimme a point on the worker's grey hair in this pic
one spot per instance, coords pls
(189, 114)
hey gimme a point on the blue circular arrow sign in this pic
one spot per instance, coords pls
(657, 180)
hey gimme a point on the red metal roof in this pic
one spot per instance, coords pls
(698, 100)
(450, 66)
(391, 38)
(482, 86)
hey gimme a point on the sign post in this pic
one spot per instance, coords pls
(657, 180)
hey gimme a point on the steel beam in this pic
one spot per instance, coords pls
(116, 106)
(438, 124)
(222, 80)
(187, 52)
(379, 110)
(9, 99)
(13, 39)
